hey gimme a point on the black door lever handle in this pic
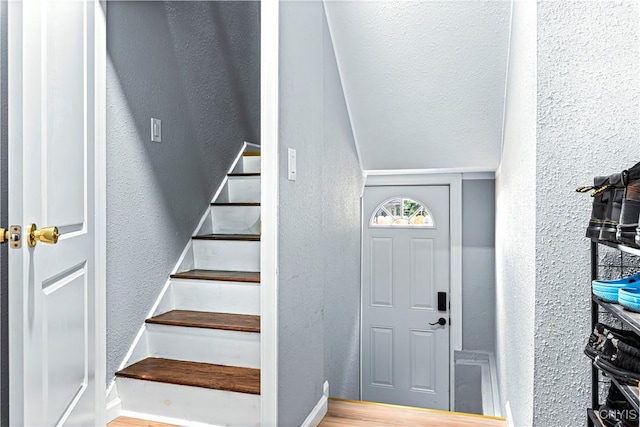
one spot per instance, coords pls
(441, 321)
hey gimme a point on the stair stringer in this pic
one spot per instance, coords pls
(139, 349)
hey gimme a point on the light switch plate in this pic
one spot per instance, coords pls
(156, 130)
(292, 164)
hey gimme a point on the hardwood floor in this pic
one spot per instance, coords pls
(350, 413)
(135, 422)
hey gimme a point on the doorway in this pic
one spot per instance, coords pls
(409, 254)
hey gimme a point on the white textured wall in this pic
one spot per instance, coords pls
(588, 124)
(195, 66)
(424, 80)
(515, 223)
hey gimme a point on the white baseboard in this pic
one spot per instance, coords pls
(114, 408)
(486, 362)
(508, 415)
(320, 410)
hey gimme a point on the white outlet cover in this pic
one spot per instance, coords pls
(156, 130)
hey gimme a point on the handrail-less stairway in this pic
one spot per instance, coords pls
(197, 360)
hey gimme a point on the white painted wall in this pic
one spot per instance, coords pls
(424, 81)
(587, 124)
(516, 223)
(572, 112)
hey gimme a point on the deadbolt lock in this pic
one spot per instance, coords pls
(13, 235)
(47, 235)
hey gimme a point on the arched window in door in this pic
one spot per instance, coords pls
(401, 212)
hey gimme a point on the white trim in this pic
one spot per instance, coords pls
(342, 85)
(114, 409)
(454, 181)
(455, 301)
(100, 152)
(269, 140)
(16, 199)
(508, 415)
(436, 171)
(506, 84)
(320, 410)
(489, 382)
(470, 176)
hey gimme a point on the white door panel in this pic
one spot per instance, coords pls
(52, 162)
(405, 360)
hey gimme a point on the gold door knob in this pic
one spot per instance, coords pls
(47, 235)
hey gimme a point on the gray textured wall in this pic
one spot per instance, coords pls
(319, 221)
(588, 124)
(195, 66)
(342, 184)
(478, 265)
(515, 225)
(301, 293)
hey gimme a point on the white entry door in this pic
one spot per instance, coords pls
(56, 115)
(406, 281)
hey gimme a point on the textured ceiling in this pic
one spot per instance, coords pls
(424, 81)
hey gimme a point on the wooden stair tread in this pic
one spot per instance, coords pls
(225, 276)
(244, 174)
(251, 153)
(237, 204)
(241, 237)
(194, 374)
(208, 320)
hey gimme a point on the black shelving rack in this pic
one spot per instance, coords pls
(630, 319)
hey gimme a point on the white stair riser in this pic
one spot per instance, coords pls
(190, 405)
(235, 219)
(244, 189)
(226, 255)
(215, 296)
(250, 164)
(230, 348)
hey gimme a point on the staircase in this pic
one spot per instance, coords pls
(197, 359)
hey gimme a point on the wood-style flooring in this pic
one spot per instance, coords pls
(194, 374)
(224, 276)
(135, 422)
(205, 319)
(350, 413)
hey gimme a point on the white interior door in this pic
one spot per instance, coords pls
(55, 118)
(406, 264)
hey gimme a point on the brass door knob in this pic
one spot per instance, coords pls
(47, 235)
